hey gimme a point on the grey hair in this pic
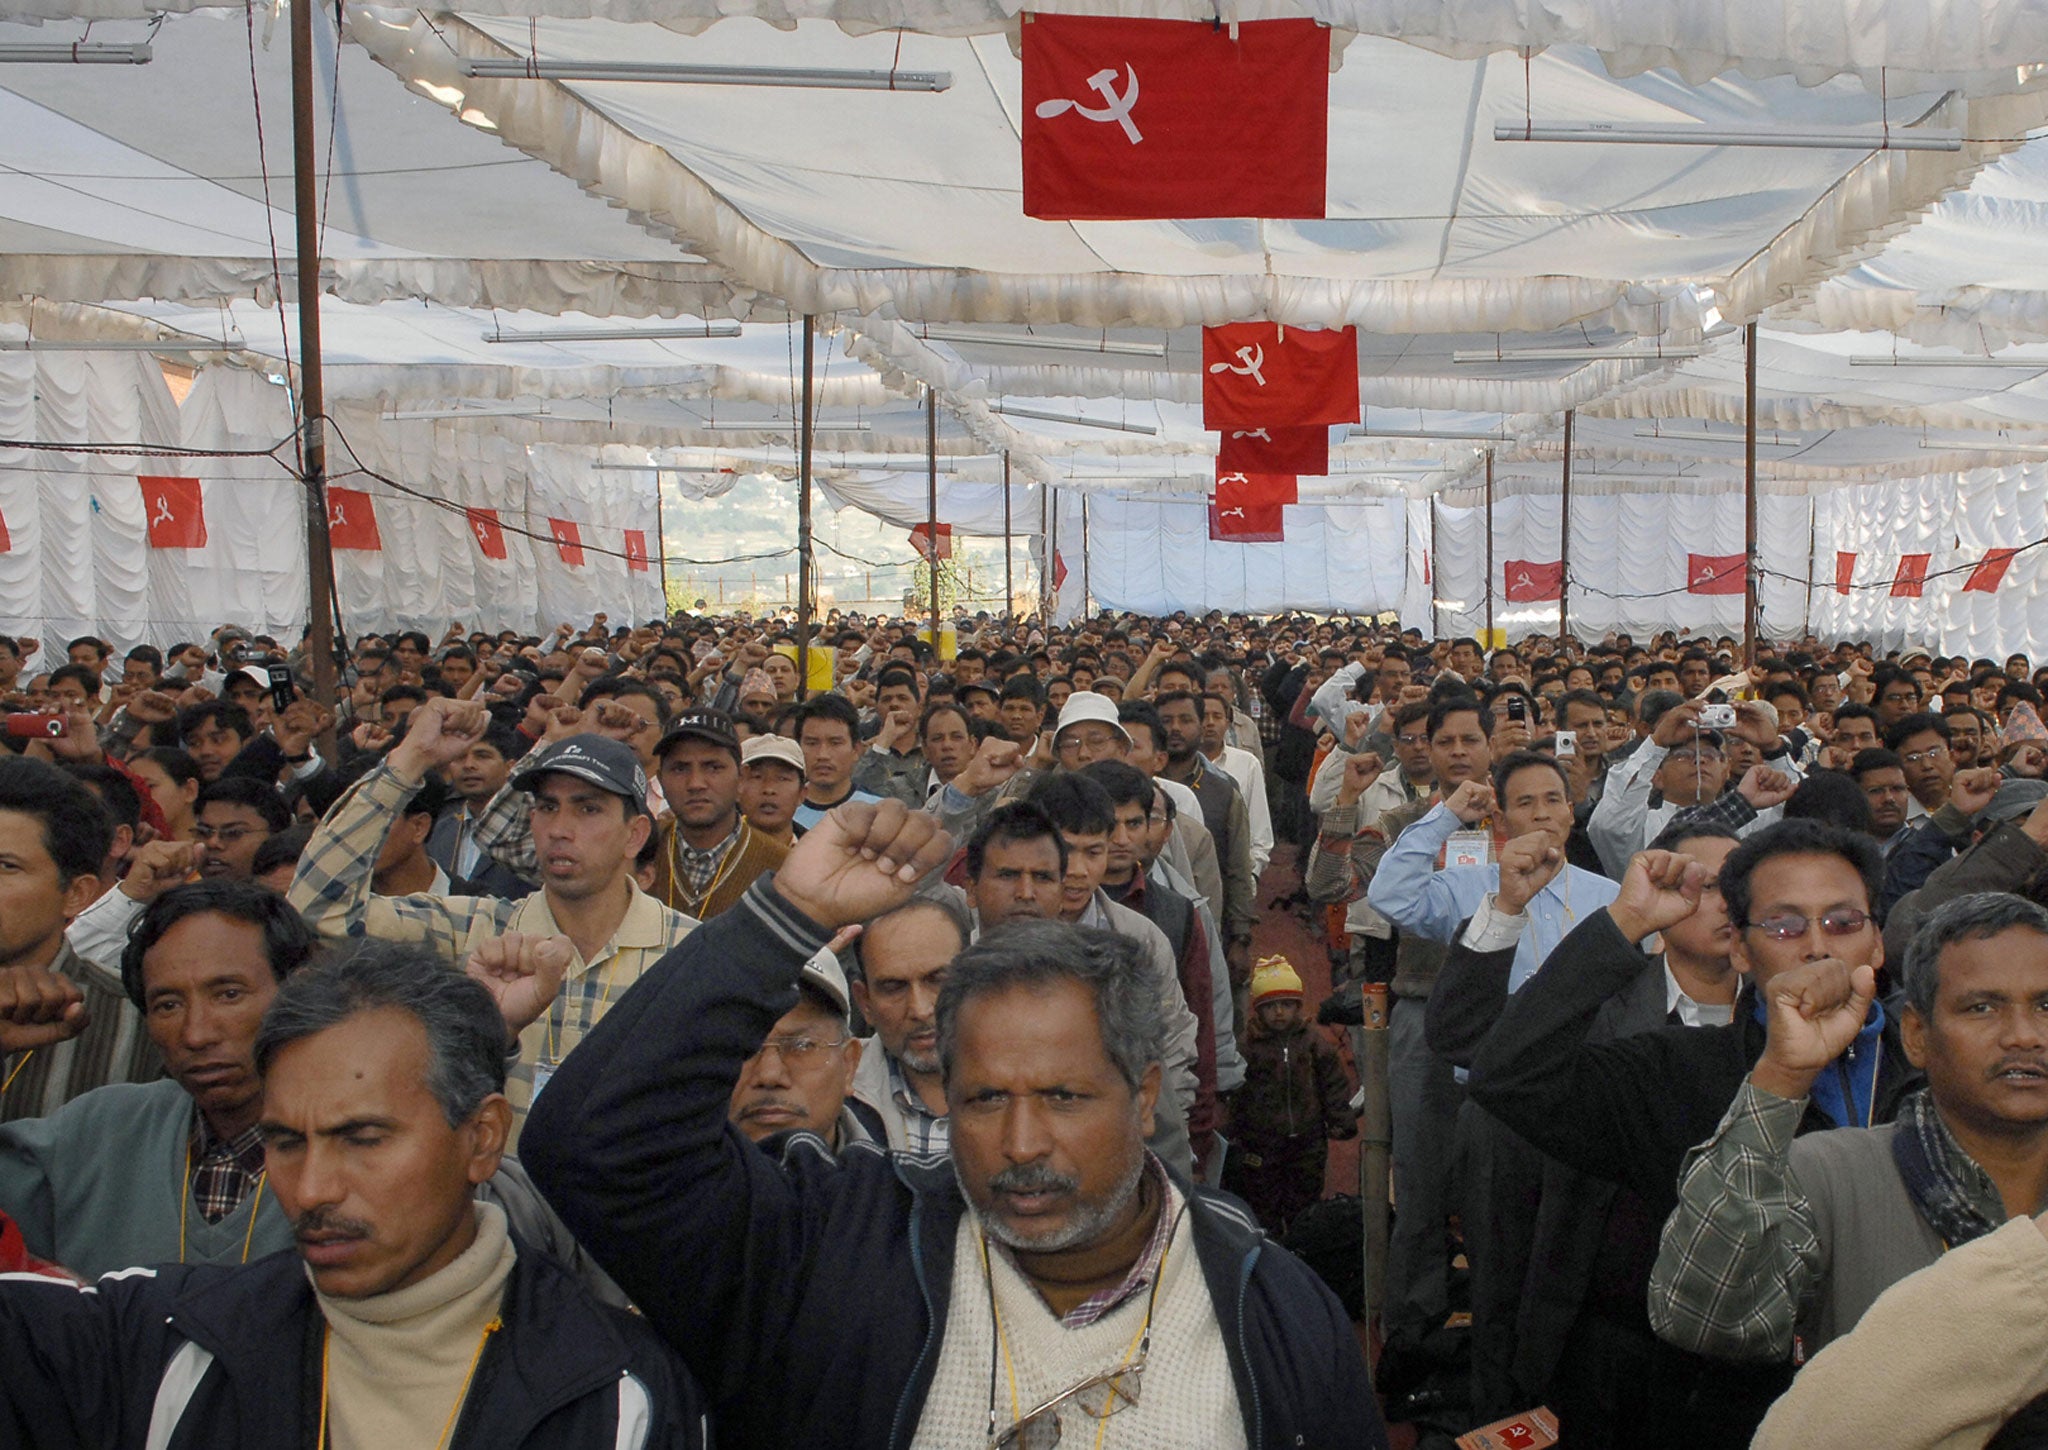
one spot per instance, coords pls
(1038, 954)
(947, 908)
(466, 1037)
(1984, 914)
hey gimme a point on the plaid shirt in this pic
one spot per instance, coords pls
(925, 1130)
(332, 891)
(699, 868)
(1741, 1262)
(223, 1169)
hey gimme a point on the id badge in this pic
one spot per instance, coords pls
(1468, 848)
(542, 1072)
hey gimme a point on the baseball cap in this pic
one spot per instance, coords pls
(250, 672)
(714, 726)
(774, 747)
(605, 763)
(2013, 799)
(1088, 705)
(823, 974)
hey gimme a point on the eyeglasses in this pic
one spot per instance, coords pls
(226, 835)
(800, 1052)
(1932, 752)
(1099, 1396)
(1790, 926)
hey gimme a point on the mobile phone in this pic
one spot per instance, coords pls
(1567, 743)
(1717, 717)
(1518, 708)
(35, 727)
(282, 690)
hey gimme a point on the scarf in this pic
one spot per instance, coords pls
(1933, 1168)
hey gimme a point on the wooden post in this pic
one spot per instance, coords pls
(1564, 536)
(1009, 582)
(1375, 1144)
(1749, 559)
(806, 429)
(1084, 556)
(312, 393)
(1489, 548)
(661, 541)
(1049, 505)
(931, 503)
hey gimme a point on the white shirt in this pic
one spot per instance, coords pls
(1691, 1013)
(1243, 767)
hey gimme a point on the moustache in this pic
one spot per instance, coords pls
(1032, 1178)
(327, 1221)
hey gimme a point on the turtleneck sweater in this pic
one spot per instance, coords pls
(398, 1363)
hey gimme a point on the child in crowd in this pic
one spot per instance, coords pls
(1296, 1096)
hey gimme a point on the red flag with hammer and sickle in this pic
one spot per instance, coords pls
(922, 535)
(1911, 579)
(1262, 374)
(1258, 523)
(1716, 573)
(568, 541)
(1155, 119)
(1531, 583)
(352, 520)
(1984, 579)
(1256, 490)
(1274, 449)
(490, 537)
(636, 550)
(1845, 570)
(175, 512)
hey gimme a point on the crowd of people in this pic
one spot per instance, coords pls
(690, 1033)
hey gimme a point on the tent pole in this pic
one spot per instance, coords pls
(312, 396)
(1749, 494)
(1009, 584)
(1564, 535)
(1489, 547)
(661, 541)
(931, 503)
(1051, 541)
(1084, 556)
(808, 425)
(1435, 569)
(1812, 550)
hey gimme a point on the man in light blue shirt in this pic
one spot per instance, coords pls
(1532, 799)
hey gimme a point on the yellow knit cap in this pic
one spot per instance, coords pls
(1275, 977)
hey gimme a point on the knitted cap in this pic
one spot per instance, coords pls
(2024, 724)
(1275, 977)
(756, 685)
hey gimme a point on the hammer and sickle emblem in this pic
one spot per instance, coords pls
(1523, 581)
(1116, 107)
(1253, 360)
(1231, 514)
(163, 511)
(337, 516)
(1251, 432)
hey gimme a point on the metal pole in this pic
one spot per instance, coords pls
(1812, 550)
(1375, 1144)
(1564, 555)
(931, 503)
(1749, 559)
(661, 542)
(312, 396)
(807, 427)
(1434, 569)
(1050, 542)
(1489, 548)
(1009, 583)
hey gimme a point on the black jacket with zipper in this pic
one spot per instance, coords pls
(807, 1293)
(210, 1357)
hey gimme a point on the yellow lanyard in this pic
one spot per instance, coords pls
(448, 1429)
(676, 888)
(4, 1086)
(185, 1206)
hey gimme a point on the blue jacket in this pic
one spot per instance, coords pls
(807, 1293)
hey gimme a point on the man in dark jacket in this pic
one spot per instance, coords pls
(407, 1315)
(1628, 1110)
(863, 1302)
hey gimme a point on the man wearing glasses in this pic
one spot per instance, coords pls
(1044, 1281)
(1922, 743)
(799, 1080)
(1629, 1110)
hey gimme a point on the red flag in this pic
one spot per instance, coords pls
(568, 541)
(921, 540)
(1275, 450)
(6, 540)
(1256, 374)
(490, 537)
(175, 511)
(352, 520)
(1257, 523)
(1716, 573)
(1531, 583)
(1257, 490)
(1984, 579)
(1150, 119)
(1059, 571)
(1912, 576)
(636, 550)
(1845, 570)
